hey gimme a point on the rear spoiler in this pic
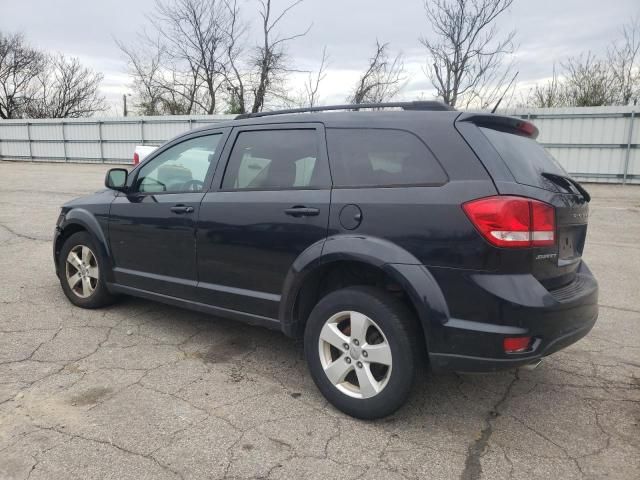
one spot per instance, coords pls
(501, 122)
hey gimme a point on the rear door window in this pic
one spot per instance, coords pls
(381, 157)
(525, 158)
(276, 159)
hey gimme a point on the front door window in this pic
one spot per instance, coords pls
(181, 168)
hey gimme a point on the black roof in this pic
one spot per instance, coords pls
(361, 115)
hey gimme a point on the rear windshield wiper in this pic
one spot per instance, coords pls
(563, 180)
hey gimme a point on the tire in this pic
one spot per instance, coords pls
(90, 290)
(362, 385)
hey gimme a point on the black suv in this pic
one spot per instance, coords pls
(381, 237)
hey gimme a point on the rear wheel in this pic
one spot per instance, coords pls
(81, 275)
(361, 351)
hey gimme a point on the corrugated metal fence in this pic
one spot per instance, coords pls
(596, 144)
(91, 140)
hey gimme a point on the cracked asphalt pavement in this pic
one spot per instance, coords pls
(142, 390)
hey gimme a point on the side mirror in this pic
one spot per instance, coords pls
(116, 179)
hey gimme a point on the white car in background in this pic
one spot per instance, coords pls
(141, 152)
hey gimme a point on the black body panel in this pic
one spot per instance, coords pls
(154, 248)
(247, 244)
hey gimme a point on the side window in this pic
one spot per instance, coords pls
(268, 159)
(181, 168)
(377, 157)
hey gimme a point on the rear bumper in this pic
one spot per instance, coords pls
(512, 306)
(465, 363)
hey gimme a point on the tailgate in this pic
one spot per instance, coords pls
(555, 266)
(521, 166)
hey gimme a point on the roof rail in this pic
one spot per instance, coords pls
(416, 105)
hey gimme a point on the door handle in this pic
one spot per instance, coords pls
(302, 211)
(180, 209)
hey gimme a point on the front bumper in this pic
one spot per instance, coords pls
(499, 306)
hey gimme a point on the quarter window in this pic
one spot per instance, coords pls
(269, 159)
(378, 157)
(181, 168)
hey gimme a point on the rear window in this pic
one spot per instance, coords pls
(525, 158)
(380, 157)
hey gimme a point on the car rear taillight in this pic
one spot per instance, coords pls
(516, 344)
(136, 158)
(527, 129)
(509, 221)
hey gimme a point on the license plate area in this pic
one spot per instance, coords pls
(571, 242)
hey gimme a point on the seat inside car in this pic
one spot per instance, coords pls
(281, 172)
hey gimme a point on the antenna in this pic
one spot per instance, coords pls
(504, 93)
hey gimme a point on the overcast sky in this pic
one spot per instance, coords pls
(547, 31)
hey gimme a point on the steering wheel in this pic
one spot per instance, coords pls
(193, 186)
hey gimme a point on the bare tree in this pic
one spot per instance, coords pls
(465, 52)
(182, 93)
(624, 59)
(312, 85)
(589, 82)
(270, 58)
(184, 66)
(35, 85)
(197, 59)
(19, 66)
(496, 87)
(586, 81)
(65, 89)
(236, 77)
(383, 78)
(194, 35)
(145, 68)
(550, 94)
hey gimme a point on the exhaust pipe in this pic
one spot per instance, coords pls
(532, 365)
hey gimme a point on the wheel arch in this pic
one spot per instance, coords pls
(81, 220)
(380, 258)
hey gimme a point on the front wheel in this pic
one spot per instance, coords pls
(360, 345)
(81, 273)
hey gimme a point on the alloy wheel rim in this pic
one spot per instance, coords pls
(82, 271)
(355, 354)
